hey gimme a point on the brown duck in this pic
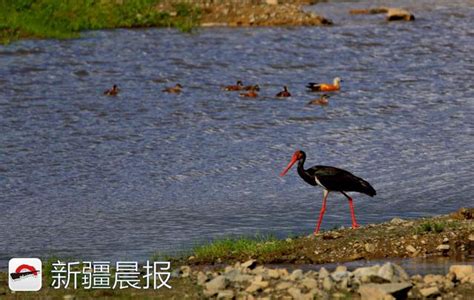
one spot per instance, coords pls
(249, 94)
(284, 93)
(113, 91)
(174, 90)
(323, 100)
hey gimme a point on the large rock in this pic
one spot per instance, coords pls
(384, 291)
(215, 285)
(309, 283)
(340, 275)
(369, 275)
(398, 14)
(463, 273)
(393, 273)
(232, 274)
(201, 278)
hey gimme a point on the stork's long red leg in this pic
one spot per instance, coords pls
(323, 209)
(351, 206)
(354, 222)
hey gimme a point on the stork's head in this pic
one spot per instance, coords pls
(298, 155)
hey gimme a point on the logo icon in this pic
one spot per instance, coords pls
(24, 274)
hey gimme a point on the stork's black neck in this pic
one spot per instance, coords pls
(302, 172)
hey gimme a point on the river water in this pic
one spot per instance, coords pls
(94, 177)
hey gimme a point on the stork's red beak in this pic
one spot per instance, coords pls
(294, 159)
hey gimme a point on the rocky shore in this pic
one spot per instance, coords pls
(253, 13)
(248, 280)
(450, 236)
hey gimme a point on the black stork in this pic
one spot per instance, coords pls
(331, 179)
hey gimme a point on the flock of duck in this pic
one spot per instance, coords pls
(251, 91)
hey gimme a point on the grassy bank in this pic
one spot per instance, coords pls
(445, 236)
(65, 19)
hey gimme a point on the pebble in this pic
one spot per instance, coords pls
(249, 264)
(295, 293)
(296, 275)
(309, 283)
(283, 285)
(216, 284)
(397, 221)
(328, 284)
(185, 271)
(411, 249)
(369, 247)
(429, 292)
(225, 294)
(341, 269)
(323, 273)
(430, 278)
(274, 274)
(201, 278)
(443, 248)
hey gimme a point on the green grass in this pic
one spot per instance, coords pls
(239, 246)
(67, 18)
(431, 227)
(437, 226)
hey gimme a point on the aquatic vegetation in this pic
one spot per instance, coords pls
(66, 19)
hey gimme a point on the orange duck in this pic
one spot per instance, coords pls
(113, 91)
(284, 93)
(237, 87)
(323, 100)
(174, 90)
(249, 94)
(325, 87)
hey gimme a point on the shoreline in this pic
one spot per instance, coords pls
(450, 236)
(294, 268)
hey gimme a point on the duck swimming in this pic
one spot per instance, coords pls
(237, 87)
(113, 91)
(284, 93)
(325, 87)
(323, 100)
(249, 94)
(173, 90)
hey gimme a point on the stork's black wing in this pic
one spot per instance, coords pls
(335, 179)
